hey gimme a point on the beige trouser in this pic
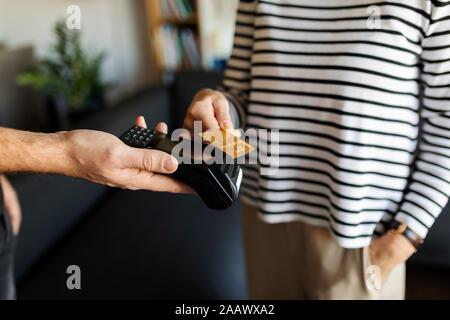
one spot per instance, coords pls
(298, 261)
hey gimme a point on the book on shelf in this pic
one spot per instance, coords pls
(190, 45)
(179, 48)
(180, 9)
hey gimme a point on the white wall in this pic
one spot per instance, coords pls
(217, 28)
(116, 26)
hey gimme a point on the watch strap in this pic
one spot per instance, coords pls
(403, 229)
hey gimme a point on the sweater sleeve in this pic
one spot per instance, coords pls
(429, 187)
(236, 83)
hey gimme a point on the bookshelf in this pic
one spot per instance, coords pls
(174, 34)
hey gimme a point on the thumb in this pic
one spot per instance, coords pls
(152, 161)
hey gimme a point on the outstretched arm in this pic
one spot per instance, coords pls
(92, 155)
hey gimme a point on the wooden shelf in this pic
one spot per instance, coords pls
(193, 20)
(155, 20)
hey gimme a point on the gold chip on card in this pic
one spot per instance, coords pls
(230, 144)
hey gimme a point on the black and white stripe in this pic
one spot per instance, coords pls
(348, 101)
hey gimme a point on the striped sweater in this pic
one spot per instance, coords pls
(360, 93)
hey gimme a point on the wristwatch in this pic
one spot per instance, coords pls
(403, 229)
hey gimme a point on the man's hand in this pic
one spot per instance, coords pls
(390, 250)
(12, 204)
(102, 158)
(212, 108)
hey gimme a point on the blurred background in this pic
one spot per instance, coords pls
(130, 58)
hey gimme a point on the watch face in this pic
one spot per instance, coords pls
(401, 228)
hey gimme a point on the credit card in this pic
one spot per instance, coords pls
(230, 144)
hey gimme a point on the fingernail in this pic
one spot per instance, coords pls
(226, 124)
(169, 165)
(237, 133)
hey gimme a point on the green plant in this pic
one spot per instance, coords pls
(2, 45)
(69, 72)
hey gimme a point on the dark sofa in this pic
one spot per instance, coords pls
(141, 245)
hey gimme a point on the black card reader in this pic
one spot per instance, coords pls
(217, 184)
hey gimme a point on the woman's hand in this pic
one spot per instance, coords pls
(212, 109)
(388, 251)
